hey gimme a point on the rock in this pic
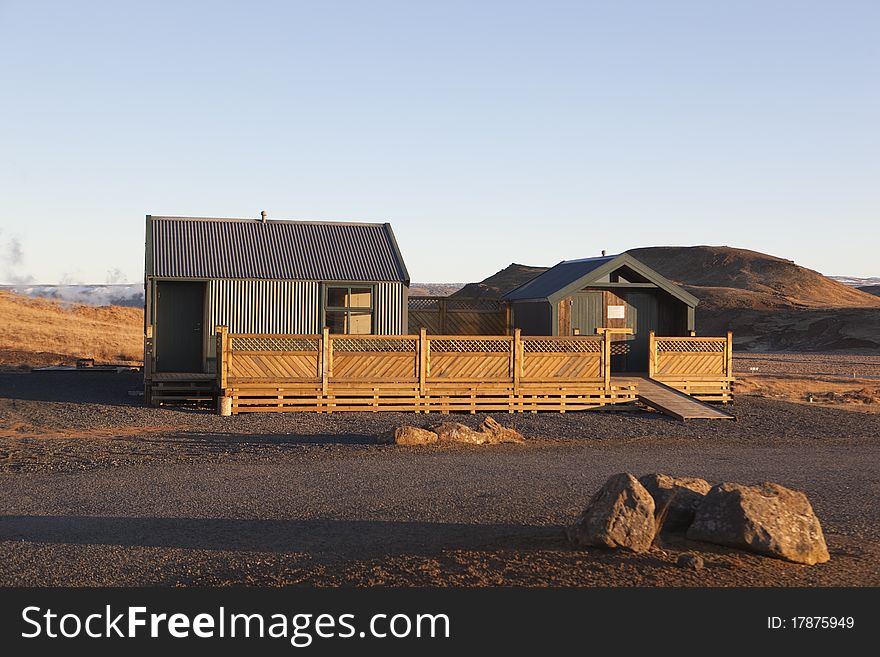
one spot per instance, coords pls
(406, 435)
(690, 562)
(768, 519)
(621, 514)
(497, 433)
(459, 433)
(683, 494)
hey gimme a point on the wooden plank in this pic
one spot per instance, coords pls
(423, 359)
(325, 359)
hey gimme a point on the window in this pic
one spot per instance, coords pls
(348, 309)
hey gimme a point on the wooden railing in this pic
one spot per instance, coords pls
(421, 372)
(699, 366)
(326, 373)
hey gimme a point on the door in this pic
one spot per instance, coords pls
(179, 335)
(641, 311)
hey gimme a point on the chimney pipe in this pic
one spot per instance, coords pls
(263, 216)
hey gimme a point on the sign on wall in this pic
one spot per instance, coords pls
(616, 312)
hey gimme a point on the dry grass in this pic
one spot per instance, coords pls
(37, 331)
(861, 394)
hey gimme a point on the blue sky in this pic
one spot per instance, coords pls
(485, 132)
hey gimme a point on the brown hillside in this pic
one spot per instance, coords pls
(38, 332)
(773, 282)
(499, 283)
(768, 302)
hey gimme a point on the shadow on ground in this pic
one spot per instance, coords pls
(347, 539)
(74, 386)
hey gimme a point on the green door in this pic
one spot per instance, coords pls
(641, 316)
(179, 336)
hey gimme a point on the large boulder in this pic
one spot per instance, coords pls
(620, 515)
(682, 495)
(456, 432)
(768, 519)
(407, 435)
(498, 433)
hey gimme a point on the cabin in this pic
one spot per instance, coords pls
(260, 276)
(591, 295)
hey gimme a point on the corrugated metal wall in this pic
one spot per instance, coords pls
(264, 306)
(390, 309)
(248, 306)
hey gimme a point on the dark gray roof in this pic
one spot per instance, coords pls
(556, 278)
(571, 275)
(186, 247)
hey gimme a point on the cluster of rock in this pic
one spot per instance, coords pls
(768, 519)
(490, 432)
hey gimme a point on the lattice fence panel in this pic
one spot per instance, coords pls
(424, 303)
(481, 305)
(537, 345)
(619, 348)
(463, 345)
(692, 346)
(247, 343)
(383, 345)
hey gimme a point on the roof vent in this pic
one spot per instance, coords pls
(263, 218)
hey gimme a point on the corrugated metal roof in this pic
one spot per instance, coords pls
(557, 278)
(185, 247)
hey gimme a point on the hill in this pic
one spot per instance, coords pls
(721, 275)
(769, 303)
(870, 289)
(500, 282)
(38, 332)
(433, 289)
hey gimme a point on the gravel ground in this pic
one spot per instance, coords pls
(97, 490)
(843, 365)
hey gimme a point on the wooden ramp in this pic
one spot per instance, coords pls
(677, 404)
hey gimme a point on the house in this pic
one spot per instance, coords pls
(618, 291)
(263, 276)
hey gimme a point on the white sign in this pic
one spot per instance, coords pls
(616, 312)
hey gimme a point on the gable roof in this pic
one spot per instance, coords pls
(195, 247)
(569, 276)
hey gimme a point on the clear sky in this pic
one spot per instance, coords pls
(485, 132)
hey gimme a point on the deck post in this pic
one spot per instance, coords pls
(325, 359)
(728, 360)
(606, 365)
(518, 353)
(423, 359)
(224, 352)
(652, 354)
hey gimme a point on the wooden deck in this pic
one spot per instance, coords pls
(425, 373)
